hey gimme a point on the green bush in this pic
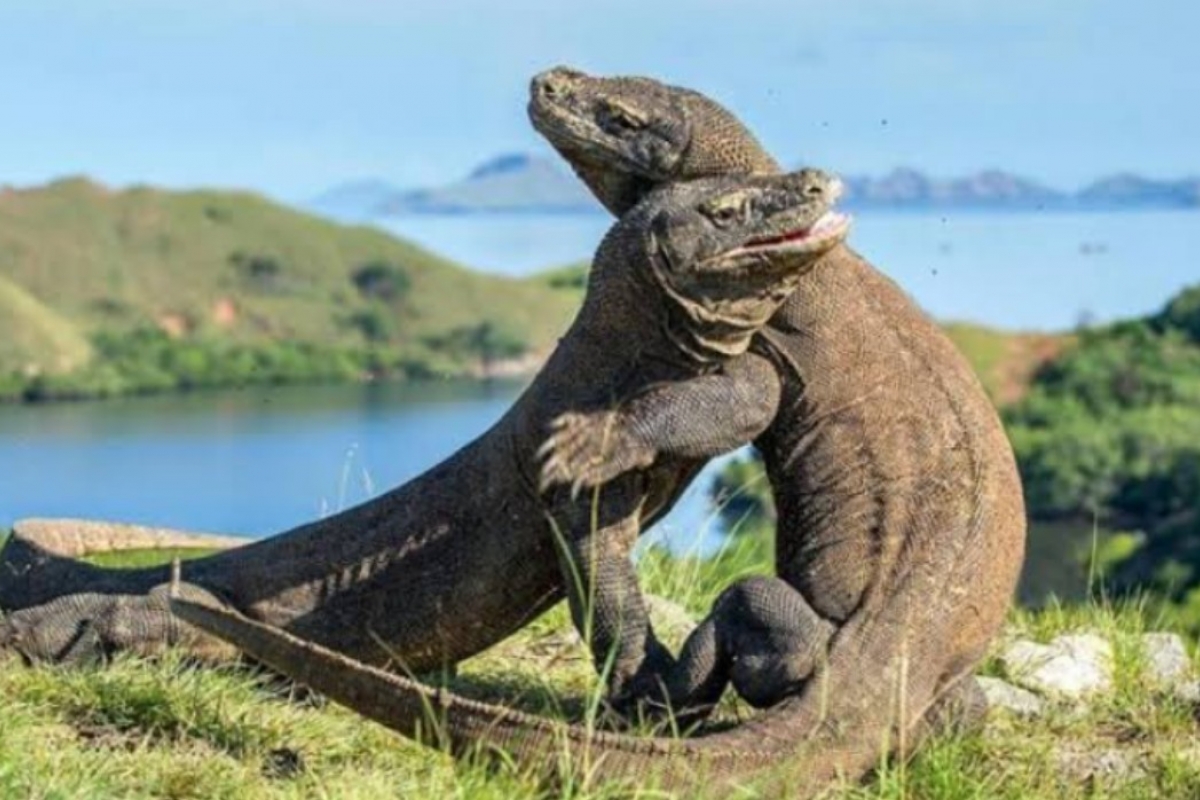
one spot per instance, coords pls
(376, 324)
(484, 342)
(1182, 313)
(742, 495)
(379, 280)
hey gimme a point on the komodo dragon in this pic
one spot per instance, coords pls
(467, 553)
(901, 517)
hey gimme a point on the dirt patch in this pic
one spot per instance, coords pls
(224, 313)
(174, 325)
(1024, 354)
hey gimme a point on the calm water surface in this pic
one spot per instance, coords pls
(254, 462)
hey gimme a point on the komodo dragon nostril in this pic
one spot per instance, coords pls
(551, 86)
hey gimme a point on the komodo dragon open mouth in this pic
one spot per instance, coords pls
(829, 230)
(831, 227)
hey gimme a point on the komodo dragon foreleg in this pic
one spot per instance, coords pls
(693, 419)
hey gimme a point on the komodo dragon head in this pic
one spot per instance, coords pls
(721, 255)
(625, 135)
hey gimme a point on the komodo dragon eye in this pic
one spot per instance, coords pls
(617, 118)
(725, 211)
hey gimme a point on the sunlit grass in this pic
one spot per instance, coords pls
(172, 729)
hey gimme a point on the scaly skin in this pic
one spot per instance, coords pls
(452, 562)
(901, 518)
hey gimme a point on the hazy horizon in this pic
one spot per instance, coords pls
(291, 98)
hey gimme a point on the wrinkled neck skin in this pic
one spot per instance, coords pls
(710, 331)
(693, 335)
(616, 192)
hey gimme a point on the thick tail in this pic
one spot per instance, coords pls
(784, 752)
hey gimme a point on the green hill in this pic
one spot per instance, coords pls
(91, 274)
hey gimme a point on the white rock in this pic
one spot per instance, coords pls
(1011, 698)
(1104, 766)
(1167, 660)
(1069, 667)
(1187, 692)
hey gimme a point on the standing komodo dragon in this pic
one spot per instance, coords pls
(886, 452)
(467, 553)
(901, 520)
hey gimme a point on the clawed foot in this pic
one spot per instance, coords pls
(651, 712)
(585, 450)
(642, 700)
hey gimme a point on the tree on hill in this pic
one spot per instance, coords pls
(380, 280)
(1182, 313)
(486, 342)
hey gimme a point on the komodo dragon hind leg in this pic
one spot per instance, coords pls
(961, 709)
(89, 628)
(762, 637)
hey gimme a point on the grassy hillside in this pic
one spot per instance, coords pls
(35, 336)
(78, 261)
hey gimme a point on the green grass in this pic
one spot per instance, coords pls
(170, 729)
(146, 557)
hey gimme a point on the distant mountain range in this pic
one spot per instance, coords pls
(521, 183)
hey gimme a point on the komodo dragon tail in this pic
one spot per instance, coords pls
(784, 752)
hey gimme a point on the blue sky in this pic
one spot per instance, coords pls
(292, 96)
